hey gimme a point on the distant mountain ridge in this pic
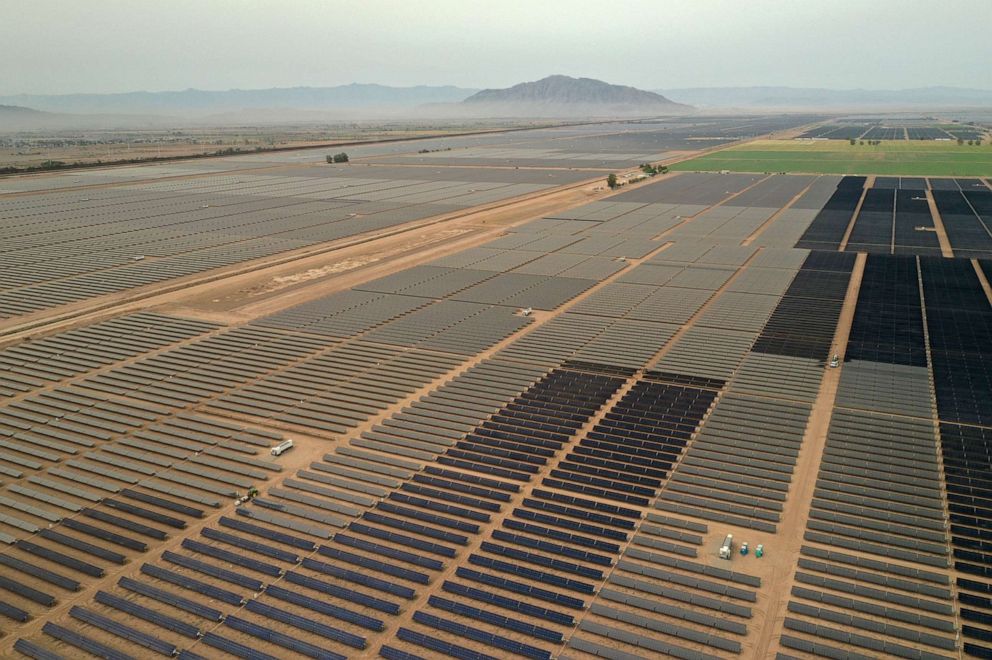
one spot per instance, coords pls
(198, 101)
(17, 110)
(564, 95)
(811, 97)
(17, 117)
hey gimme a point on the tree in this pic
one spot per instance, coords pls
(960, 141)
(329, 158)
(341, 157)
(853, 142)
(611, 181)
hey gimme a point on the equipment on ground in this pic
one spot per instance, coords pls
(728, 547)
(281, 447)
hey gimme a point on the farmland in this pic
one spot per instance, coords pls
(905, 157)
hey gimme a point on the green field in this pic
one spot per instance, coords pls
(903, 157)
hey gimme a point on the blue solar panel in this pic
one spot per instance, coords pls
(450, 484)
(59, 558)
(480, 467)
(232, 557)
(563, 484)
(32, 650)
(329, 632)
(390, 653)
(473, 633)
(487, 596)
(531, 574)
(408, 541)
(148, 514)
(189, 655)
(578, 513)
(520, 588)
(557, 521)
(77, 544)
(360, 578)
(541, 560)
(374, 564)
(281, 639)
(162, 502)
(235, 649)
(388, 551)
(123, 631)
(496, 619)
(265, 532)
(324, 608)
(247, 544)
(40, 573)
(342, 593)
(170, 598)
(12, 612)
(148, 614)
(416, 528)
(73, 638)
(441, 646)
(553, 548)
(212, 571)
(124, 523)
(193, 585)
(106, 535)
(461, 512)
(472, 479)
(429, 517)
(451, 497)
(30, 593)
(559, 535)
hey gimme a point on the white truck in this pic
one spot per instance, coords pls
(281, 447)
(727, 549)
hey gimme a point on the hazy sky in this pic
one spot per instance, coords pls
(63, 46)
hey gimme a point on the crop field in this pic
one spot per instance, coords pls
(531, 442)
(906, 157)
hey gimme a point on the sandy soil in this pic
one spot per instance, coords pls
(983, 279)
(784, 551)
(938, 223)
(854, 216)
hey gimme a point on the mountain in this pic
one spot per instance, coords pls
(200, 103)
(805, 97)
(17, 111)
(565, 96)
(19, 118)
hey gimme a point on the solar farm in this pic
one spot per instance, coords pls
(896, 128)
(705, 415)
